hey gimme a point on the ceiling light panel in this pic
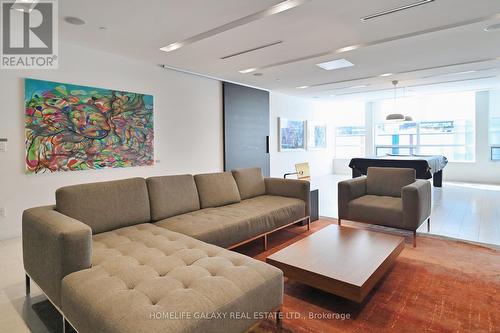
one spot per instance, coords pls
(276, 9)
(395, 10)
(335, 64)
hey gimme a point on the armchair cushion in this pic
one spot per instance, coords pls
(376, 209)
(388, 181)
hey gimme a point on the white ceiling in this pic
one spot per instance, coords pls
(319, 27)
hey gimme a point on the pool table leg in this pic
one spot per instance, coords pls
(437, 179)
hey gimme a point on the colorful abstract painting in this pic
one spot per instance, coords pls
(292, 134)
(71, 127)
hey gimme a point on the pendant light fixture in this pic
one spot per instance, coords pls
(395, 116)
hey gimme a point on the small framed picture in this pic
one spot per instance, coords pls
(292, 134)
(316, 135)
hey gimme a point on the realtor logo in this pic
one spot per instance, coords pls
(29, 34)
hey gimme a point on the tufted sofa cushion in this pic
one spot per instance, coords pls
(229, 225)
(148, 279)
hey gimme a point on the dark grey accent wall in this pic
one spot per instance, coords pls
(246, 127)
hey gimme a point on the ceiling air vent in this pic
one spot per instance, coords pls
(395, 10)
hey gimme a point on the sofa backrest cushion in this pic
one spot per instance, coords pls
(250, 182)
(217, 189)
(388, 181)
(106, 206)
(172, 195)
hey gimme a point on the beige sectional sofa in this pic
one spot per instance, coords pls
(150, 255)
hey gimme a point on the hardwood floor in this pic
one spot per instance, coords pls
(460, 210)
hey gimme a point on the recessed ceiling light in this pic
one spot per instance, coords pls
(248, 70)
(103, 28)
(335, 64)
(347, 48)
(302, 87)
(257, 74)
(492, 27)
(74, 20)
(386, 74)
(395, 10)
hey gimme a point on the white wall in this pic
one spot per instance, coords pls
(188, 126)
(320, 161)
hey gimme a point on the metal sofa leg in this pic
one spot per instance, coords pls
(429, 224)
(28, 285)
(265, 242)
(65, 325)
(414, 239)
(308, 223)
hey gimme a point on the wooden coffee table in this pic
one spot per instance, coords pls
(343, 261)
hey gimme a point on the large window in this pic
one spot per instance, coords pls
(350, 131)
(494, 125)
(442, 125)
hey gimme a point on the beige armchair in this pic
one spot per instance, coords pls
(390, 197)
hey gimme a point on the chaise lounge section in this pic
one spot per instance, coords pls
(141, 255)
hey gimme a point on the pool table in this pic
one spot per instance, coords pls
(426, 166)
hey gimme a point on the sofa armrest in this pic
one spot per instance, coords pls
(292, 188)
(349, 190)
(416, 203)
(54, 245)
